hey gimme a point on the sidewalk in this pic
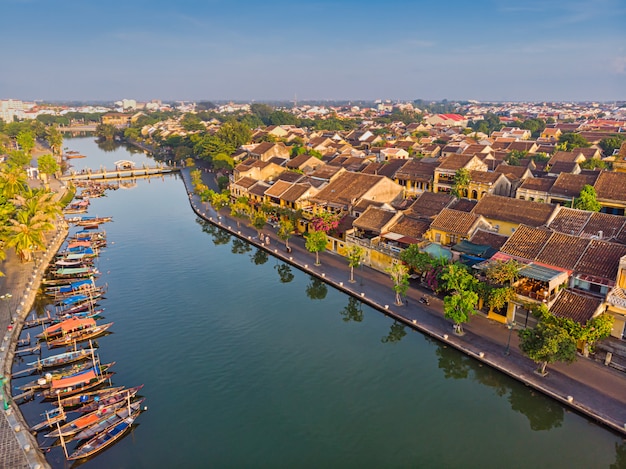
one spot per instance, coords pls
(586, 386)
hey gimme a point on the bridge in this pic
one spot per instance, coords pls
(120, 172)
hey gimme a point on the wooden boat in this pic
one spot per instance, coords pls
(121, 395)
(74, 385)
(93, 221)
(104, 439)
(74, 272)
(64, 328)
(62, 359)
(51, 417)
(84, 421)
(76, 305)
(80, 336)
(75, 369)
(111, 419)
(86, 398)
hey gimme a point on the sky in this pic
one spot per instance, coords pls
(244, 50)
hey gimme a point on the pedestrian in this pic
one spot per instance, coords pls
(267, 240)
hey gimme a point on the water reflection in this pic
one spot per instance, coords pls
(240, 247)
(396, 333)
(620, 457)
(353, 311)
(284, 273)
(218, 236)
(260, 257)
(545, 415)
(316, 289)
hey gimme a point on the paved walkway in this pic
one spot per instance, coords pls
(587, 386)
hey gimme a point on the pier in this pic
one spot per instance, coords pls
(119, 173)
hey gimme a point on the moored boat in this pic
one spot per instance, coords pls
(62, 359)
(89, 397)
(121, 395)
(112, 419)
(74, 385)
(104, 439)
(51, 417)
(80, 336)
(84, 421)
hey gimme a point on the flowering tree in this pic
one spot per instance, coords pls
(325, 222)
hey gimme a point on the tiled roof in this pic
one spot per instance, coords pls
(295, 192)
(564, 156)
(416, 170)
(575, 305)
(570, 185)
(259, 188)
(601, 259)
(387, 168)
(563, 167)
(570, 221)
(511, 210)
(538, 184)
(608, 225)
(411, 227)
(526, 242)
(464, 205)
(245, 182)
(290, 176)
(484, 177)
(517, 171)
(325, 172)
(374, 219)
(611, 186)
(278, 188)
(488, 238)
(347, 187)
(429, 204)
(454, 162)
(562, 251)
(453, 221)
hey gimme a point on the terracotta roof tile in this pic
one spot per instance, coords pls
(511, 210)
(601, 259)
(608, 225)
(454, 221)
(611, 186)
(277, 189)
(538, 184)
(576, 306)
(570, 185)
(416, 170)
(411, 227)
(374, 219)
(429, 204)
(454, 162)
(526, 243)
(570, 221)
(562, 250)
(488, 238)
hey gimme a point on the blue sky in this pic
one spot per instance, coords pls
(500, 50)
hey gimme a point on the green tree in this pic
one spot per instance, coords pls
(587, 200)
(26, 234)
(460, 186)
(399, 274)
(610, 144)
(234, 134)
(571, 140)
(355, 256)
(106, 132)
(547, 343)
(258, 221)
(55, 140)
(417, 260)
(461, 300)
(48, 165)
(12, 181)
(223, 161)
(503, 272)
(26, 141)
(285, 229)
(316, 242)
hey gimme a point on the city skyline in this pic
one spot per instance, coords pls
(322, 50)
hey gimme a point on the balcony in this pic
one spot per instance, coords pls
(375, 244)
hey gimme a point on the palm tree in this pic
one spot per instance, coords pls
(12, 181)
(26, 234)
(35, 202)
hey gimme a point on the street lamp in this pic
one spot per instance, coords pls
(510, 325)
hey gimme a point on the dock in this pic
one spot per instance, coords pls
(119, 173)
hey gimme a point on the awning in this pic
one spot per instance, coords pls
(74, 380)
(437, 251)
(541, 273)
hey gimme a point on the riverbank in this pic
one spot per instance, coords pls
(585, 386)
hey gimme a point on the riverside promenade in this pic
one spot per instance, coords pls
(586, 386)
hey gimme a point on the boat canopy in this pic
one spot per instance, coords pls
(74, 380)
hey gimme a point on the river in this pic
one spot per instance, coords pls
(250, 364)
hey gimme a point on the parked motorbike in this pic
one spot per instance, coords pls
(425, 300)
